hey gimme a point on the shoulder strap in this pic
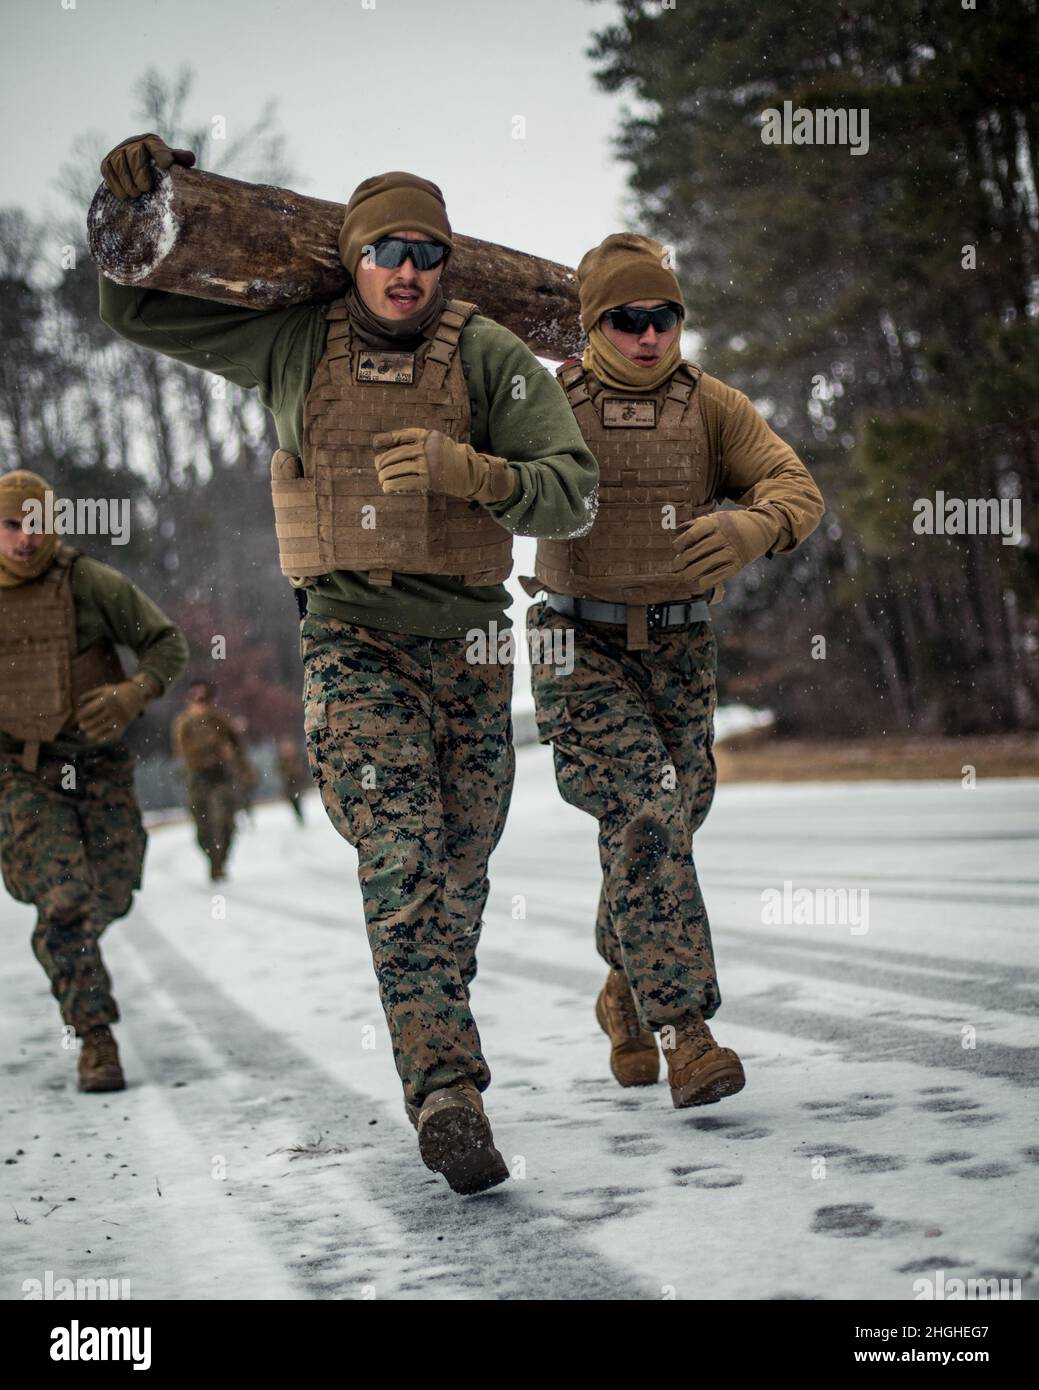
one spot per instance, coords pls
(337, 340)
(444, 343)
(573, 378)
(679, 389)
(59, 571)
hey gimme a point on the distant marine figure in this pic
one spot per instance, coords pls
(207, 743)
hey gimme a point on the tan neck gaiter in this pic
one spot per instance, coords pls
(375, 331)
(15, 572)
(620, 373)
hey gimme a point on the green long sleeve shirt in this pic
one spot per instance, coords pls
(109, 605)
(276, 351)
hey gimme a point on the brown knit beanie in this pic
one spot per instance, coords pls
(394, 202)
(622, 268)
(18, 486)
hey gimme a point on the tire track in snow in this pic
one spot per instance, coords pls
(873, 1042)
(502, 1244)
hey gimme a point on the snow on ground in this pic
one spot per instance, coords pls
(869, 1149)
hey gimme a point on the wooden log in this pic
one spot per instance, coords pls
(266, 248)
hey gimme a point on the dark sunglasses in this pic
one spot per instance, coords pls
(390, 252)
(638, 320)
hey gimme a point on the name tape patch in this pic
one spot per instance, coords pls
(618, 412)
(397, 368)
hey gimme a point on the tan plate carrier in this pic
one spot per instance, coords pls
(330, 512)
(41, 677)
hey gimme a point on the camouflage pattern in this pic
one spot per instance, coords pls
(632, 740)
(76, 853)
(410, 745)
(212, 801)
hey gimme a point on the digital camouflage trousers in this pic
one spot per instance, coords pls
(212, 802)
(632, 742)
(72, 844)
(410, 744)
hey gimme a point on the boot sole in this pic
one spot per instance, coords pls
(456, 1141)
(648, 1079)
(722, 1077)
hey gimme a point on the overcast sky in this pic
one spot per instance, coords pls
(432, 86)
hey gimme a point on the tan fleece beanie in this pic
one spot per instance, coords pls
(394, 202)
(17, 487)
(623, 267)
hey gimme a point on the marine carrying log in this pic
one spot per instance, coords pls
(266, 248)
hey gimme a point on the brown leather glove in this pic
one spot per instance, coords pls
(713, 548)
(126, 170)
(104, 712)
(417, 460)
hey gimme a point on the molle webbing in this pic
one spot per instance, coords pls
(98, 665)
(654, 477)
(330, 511)
(37, 640)
(41, 680)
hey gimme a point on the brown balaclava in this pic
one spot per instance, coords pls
(394, 202)
(622, 268)
(17, 487)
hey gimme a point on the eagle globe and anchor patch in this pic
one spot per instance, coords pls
(621, 412)
(397, 368)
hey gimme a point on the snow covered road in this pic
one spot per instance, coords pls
(261, 1150)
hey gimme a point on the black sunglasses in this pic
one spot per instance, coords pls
(390, 252)
(626, 320)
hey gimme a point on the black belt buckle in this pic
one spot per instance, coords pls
(655, 615)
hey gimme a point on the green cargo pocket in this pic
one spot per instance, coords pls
(344, 798)
(552, 717)
(581, 758)
(15, 858)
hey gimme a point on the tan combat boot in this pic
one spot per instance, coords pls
(698, 1070)
(455, 1139)
(634, 1059)
(99, 1068)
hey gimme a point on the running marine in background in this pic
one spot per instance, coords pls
(71, 838)
(207, 743)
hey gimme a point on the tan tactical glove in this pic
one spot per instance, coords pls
(104, 712)
(713, 548)
(417, 460)
(126, 170)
